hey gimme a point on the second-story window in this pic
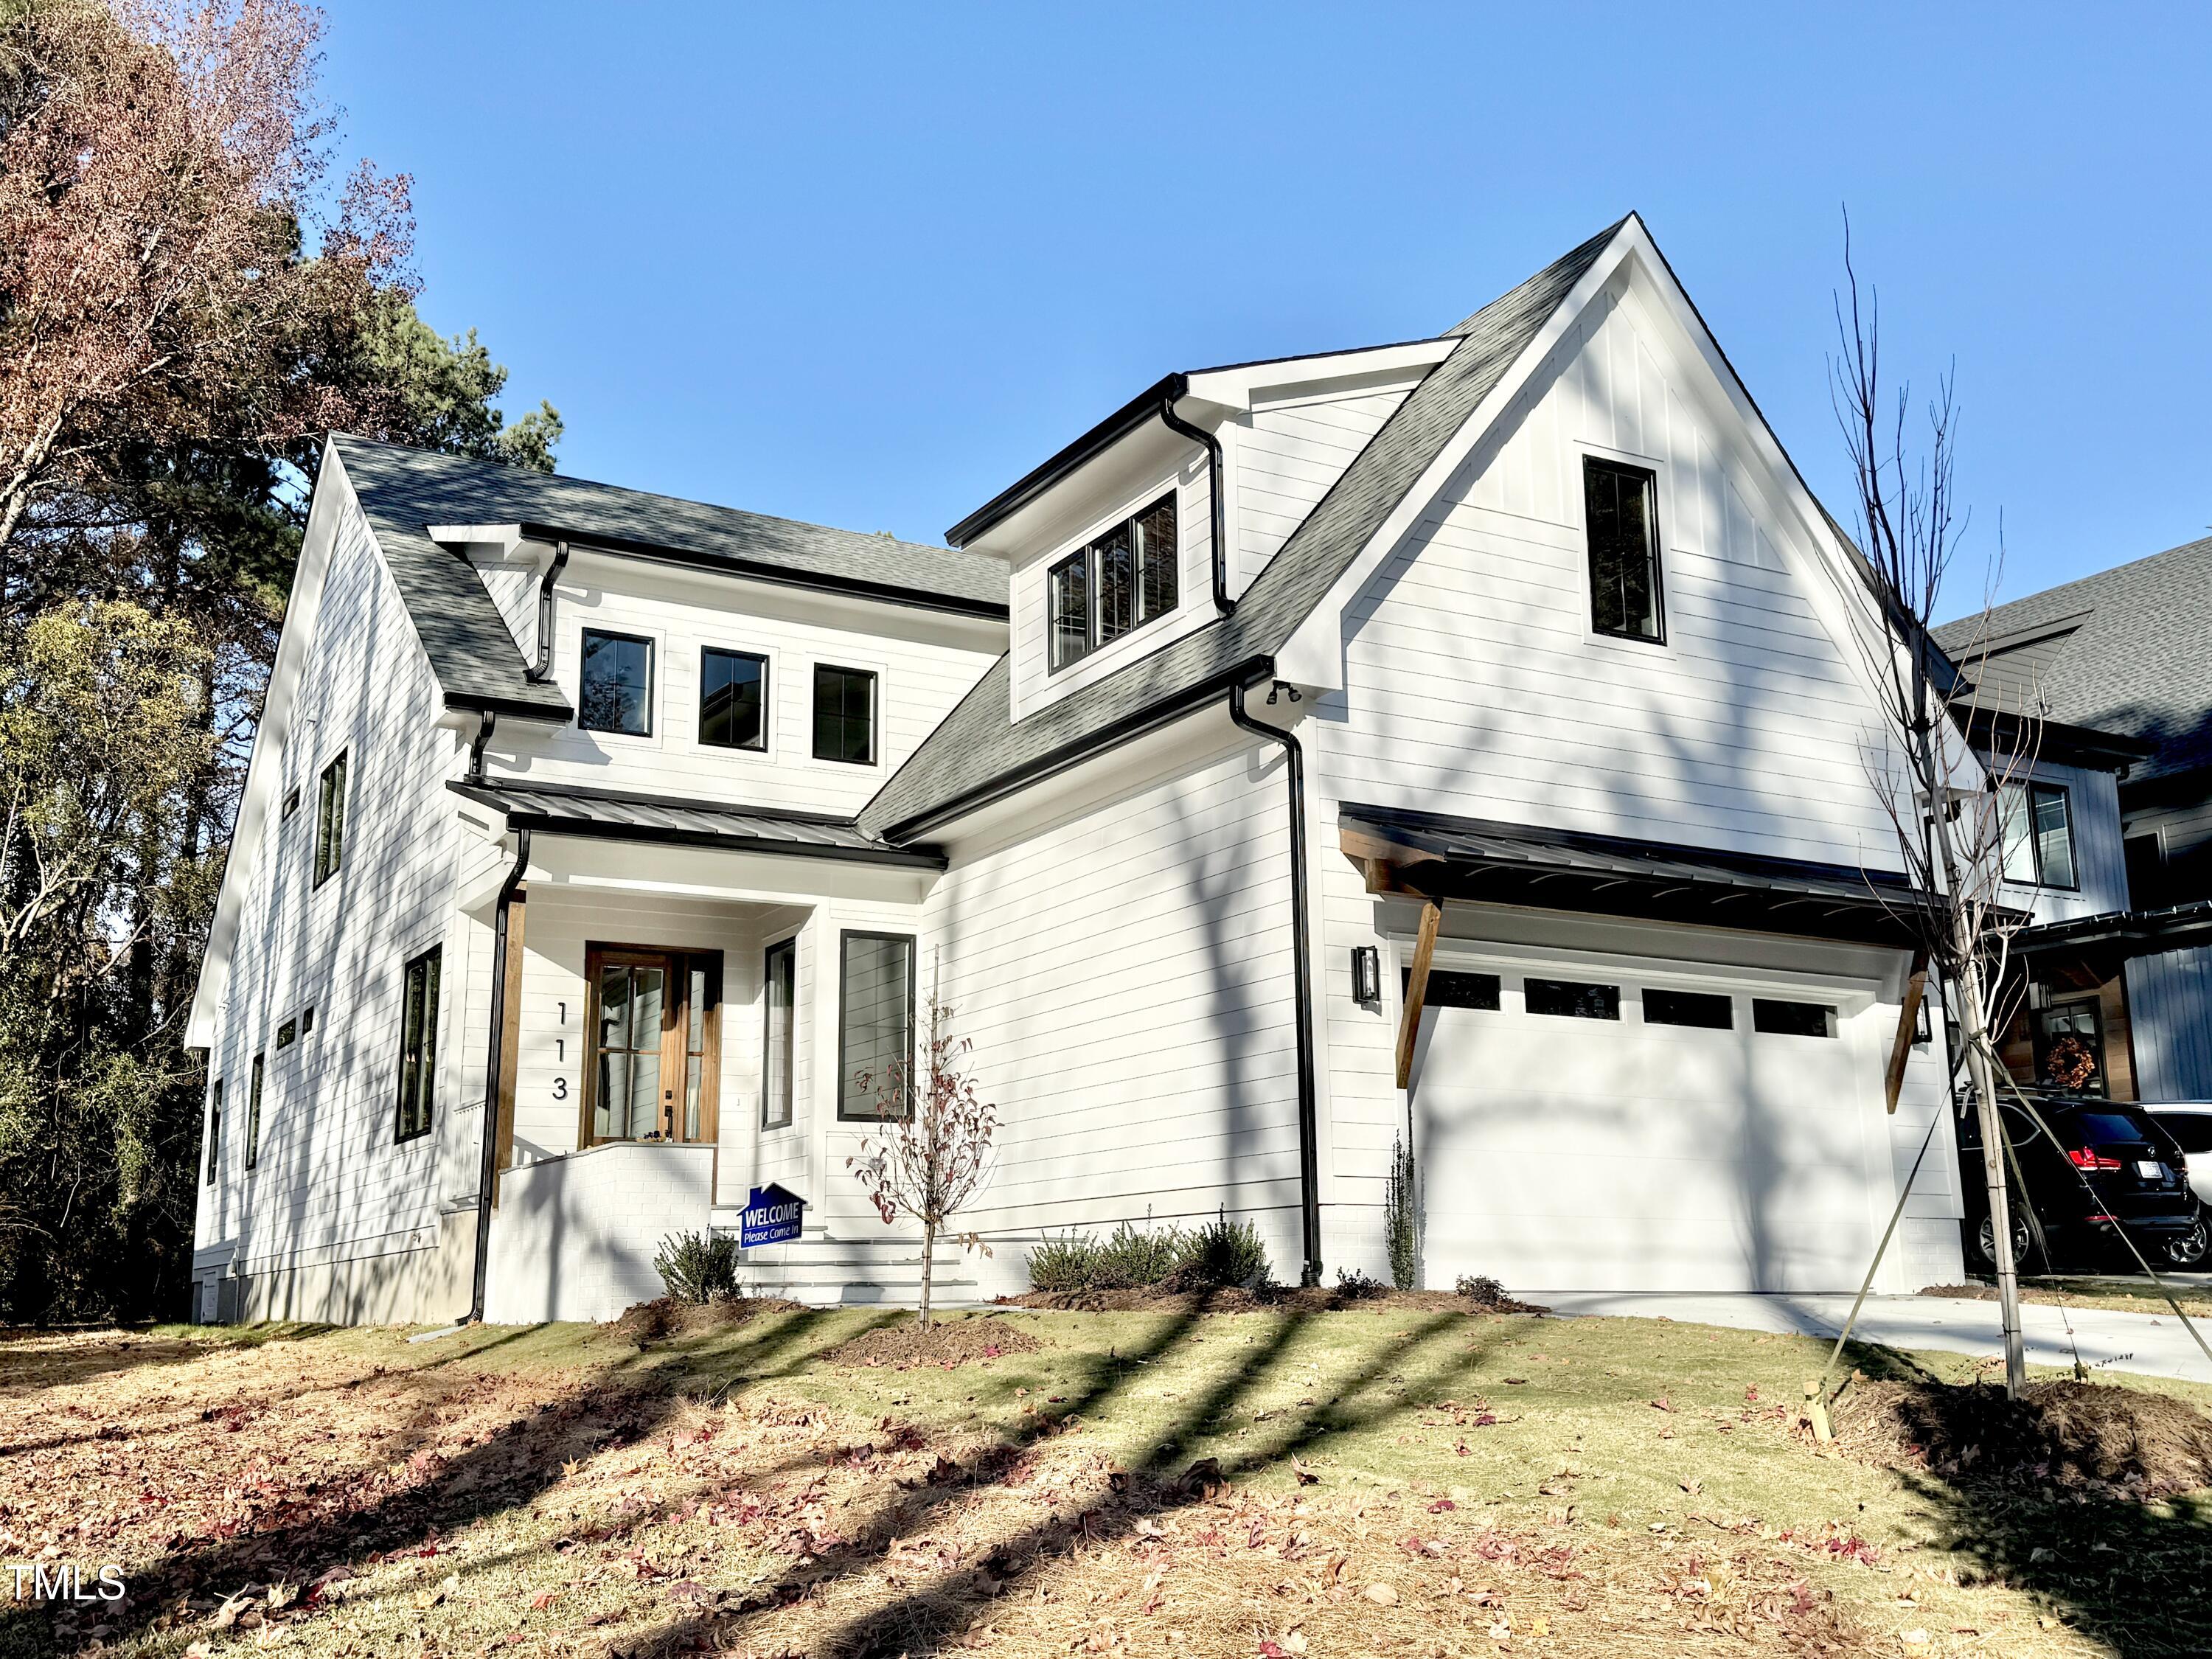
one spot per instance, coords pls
(617, 684)
(331, 822)
(1119, 581)
(733, 699)
(2039, 834)
(844, 714)
(1621, 517)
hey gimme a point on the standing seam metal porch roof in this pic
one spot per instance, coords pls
(620, 815)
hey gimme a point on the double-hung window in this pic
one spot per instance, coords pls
(1119, 581)
(733, 699)
(617, 684)
(875, 1029)
(1620, 516)
(418, 1046)
(844, 714)
(2039, 834)
(781, 967)
(331, 822)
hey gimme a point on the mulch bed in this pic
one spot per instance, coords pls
(1154, 1299)
(665, 1317)
(2081, 1436)
(947, 1343)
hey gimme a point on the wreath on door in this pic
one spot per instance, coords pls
(2068, 1063)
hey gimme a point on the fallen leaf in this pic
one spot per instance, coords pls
(1381, 1595)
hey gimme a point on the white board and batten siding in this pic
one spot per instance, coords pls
(332, 1184)
(2101, 865)
(2170, 1011)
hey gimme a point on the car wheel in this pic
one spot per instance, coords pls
(1985, 1241)
(2189, 1250)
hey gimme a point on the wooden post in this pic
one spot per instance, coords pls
(510, 1039)
(1908, 1016)
(1416, 990)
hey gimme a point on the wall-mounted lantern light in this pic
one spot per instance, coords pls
(1367, 975)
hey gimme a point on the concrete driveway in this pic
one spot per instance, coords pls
(2155, 1345)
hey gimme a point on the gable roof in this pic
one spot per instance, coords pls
(404, 491)
(2126, 650)
(979, 746)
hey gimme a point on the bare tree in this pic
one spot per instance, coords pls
(1946, 762)
(931, 1151)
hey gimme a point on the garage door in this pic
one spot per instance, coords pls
(1586, 1127)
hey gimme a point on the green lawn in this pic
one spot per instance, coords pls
(1395, 1483)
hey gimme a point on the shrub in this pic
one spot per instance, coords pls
(1481, 1289)
(1220, 1255)
(1128, 1258)
(698, 1267)
(1358, 1286)
(1401, 1219)
(1069, 1262)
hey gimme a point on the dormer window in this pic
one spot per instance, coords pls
(1117, 582)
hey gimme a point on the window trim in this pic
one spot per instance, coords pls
(787, 947)
(333, 846)
(652, 681)
(427, 1061)
(767, 698)
(814, 707)
(1083, 553)
(253, 1113)
(2027, 786)
(1649, 472)
(913, 942)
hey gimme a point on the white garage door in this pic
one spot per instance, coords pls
(1584, 1125)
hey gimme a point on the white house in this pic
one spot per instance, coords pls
(593, 842)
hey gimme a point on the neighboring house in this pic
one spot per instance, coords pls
(1463, 738)
(2117, 668)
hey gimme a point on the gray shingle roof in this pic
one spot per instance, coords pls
(2139, 662)
(618, 815)
(979, 744)
(404, 490)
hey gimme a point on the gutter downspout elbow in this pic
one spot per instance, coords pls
(1301, 983)
(487, 723)
(488, 1169)
(541, 670)
(1219, 508)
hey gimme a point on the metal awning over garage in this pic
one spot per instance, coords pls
(1434, 856)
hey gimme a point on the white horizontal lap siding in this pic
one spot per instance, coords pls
(1126, 979)
(331, 1182)
(1475, 686)
(1286, 459)
(920, 674)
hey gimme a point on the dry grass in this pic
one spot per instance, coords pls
(1436, 1484)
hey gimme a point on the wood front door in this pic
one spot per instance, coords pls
(654, 1024)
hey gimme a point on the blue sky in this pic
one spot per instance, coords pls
(866, 264)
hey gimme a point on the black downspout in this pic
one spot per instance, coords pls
(1302, 981)
(487, 722)
(542, 670)
(488, 1171)
(1198, 434)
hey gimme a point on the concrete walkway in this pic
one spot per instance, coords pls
(2157, 1346)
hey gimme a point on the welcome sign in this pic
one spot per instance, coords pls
(773, 1215)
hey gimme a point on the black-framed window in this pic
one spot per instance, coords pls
(418, 1046)
(779, 1044)
(306, 1019)
(875, 1022)
(1120, 580)
(844, 714)
(291, 804)
(1451, 988)
(253, 1115)
(330, 821)
(288, 1034)
(2145, 860)
(1571, 998)
(215, 1131)
(1707, 1011)
(1778, 1017)
(617, 684)
(733, 699)
(2038, 824)
(1620, 516)
(2063, 1034)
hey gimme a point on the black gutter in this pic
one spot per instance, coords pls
(488, 1171)
(725, 564)
(1302, 981)
(1075, 751)
(553, 712)
(720, 840)
(1038, 479)
(542, 670)
(1220, 511)
(2159, 929)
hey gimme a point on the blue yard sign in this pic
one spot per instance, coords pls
(772, 1215)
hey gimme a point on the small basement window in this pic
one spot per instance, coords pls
(418, 1045)
(844, 714)
(733, 699)
(617, 684)
(1620, 518)
(1116, 583)
(1708, 1010)
(1776, 1018)
(2038, 834)
(1571, 998)
(1450, 988)
(330, 821)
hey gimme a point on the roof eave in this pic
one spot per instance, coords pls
(1145, 406)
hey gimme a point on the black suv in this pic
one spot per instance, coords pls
(2112, 1167)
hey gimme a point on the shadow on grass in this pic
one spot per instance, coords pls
(28, 1364)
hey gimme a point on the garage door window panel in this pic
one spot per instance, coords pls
(1571, 998)
(1451, 988)
(1775, 1017)
(1703, 1011)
